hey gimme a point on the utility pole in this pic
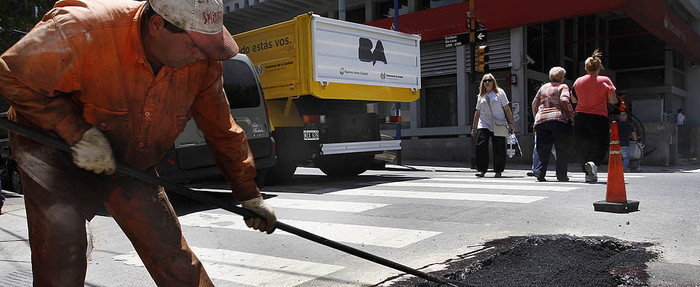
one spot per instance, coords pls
(398, 104)
(471, 24)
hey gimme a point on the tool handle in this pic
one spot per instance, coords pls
(229, 206)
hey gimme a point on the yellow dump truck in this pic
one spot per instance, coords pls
(318, 75)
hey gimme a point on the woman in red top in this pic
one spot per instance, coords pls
(591, 133)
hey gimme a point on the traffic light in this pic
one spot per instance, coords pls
(481, 59)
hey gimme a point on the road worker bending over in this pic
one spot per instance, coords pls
(119, 79)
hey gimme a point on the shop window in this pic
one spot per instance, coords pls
(356, 15)
(587, 36)
(569, 38)
(640, 78)
(543, 46)
(679, 80)
(429, 4)
(385, 9)
(678, 60)
(439, 101)
(632, 46)
(387, 109)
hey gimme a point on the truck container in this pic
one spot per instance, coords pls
(318, 75)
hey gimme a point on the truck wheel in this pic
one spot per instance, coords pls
(344, 164)
(280, 172)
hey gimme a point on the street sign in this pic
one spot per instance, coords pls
(481, 36)
(456, 40)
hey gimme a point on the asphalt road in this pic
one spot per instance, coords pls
(421, 217)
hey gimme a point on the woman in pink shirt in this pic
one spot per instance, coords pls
(591, 129)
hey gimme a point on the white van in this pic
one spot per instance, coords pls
(190, 158)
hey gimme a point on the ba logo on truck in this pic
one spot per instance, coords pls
(366, 54)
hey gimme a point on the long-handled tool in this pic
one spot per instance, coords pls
(189, 193)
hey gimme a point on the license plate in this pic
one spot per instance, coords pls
(310, 135)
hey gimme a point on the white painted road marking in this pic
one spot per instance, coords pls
(338, 206)
(441, 195)
(536, 187)
(305, 204)
(249, 268)
(348, 233)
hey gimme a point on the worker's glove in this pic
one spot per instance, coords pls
(93, 153)
(266, 219)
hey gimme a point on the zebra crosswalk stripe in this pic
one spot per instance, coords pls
(249, 268)
(328, 205)
(537, 187)
(320, 205)
(441, 195)
(348, 233)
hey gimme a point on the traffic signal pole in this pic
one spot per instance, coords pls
(397, 105)
(471, 24)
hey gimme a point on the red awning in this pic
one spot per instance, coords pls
(431, 24)
(654, 15)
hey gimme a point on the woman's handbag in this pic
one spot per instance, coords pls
(500, 129)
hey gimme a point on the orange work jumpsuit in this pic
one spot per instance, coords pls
(84, 65)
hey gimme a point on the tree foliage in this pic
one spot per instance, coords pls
(19, 16)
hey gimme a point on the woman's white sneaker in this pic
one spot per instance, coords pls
(591, 172)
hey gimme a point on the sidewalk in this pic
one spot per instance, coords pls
(15, 256)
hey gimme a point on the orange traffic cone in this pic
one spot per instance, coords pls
(616, 195)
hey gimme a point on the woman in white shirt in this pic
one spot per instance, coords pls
(491, 108)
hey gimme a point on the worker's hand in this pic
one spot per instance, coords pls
(93, 153)
(266, 220)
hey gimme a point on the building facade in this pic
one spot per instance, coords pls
(650, 47)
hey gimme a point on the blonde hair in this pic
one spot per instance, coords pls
(556, 74)
(593, 62)
(482, 89)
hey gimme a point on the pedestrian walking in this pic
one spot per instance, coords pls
(493, 120)
(536, 158)
(680, 117)
(552, 111)
(625, 133)
(591, 128)
(119, 80)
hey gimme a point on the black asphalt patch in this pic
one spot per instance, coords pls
(547, 260)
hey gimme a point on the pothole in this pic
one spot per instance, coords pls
(547, 260)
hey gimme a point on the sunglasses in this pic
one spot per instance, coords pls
(488, 80)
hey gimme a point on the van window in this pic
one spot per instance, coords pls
(240, 85)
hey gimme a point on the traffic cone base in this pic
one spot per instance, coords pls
(616, 195)
(616, 207)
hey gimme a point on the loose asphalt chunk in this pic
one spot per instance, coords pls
(547, 260)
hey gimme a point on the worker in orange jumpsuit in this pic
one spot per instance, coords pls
(119, 79)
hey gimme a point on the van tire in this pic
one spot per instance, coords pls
(340, 165)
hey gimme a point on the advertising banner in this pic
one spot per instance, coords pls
(346, 52)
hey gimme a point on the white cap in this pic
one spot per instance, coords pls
(204, 22)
